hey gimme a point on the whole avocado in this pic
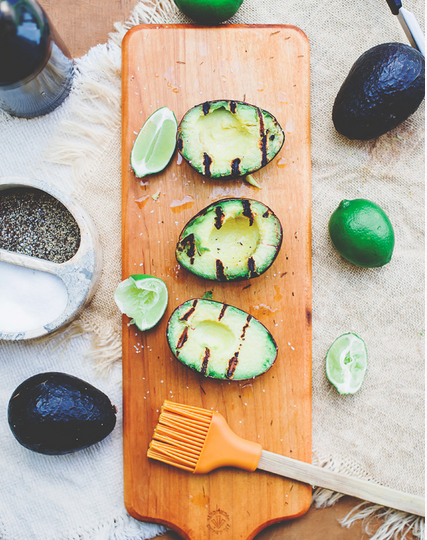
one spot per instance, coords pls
(383, 88)
(55, 413)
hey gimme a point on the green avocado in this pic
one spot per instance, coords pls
(228, 139)
(230, 240)
(220, 341)
(55, 413)
(383, 88)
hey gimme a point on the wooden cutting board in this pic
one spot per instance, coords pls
(181, 66)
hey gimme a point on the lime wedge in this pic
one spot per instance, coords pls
(346, 362)
(155, 143)
(143, 299)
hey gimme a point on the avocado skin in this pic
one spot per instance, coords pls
(383, 88)
(55, 413)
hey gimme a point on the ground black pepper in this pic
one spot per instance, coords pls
(34, 223)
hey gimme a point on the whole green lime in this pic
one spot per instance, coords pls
(362, 233)
(209, 11)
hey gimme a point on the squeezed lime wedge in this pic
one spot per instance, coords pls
(155, 143)
(143, 299)
(346, 363)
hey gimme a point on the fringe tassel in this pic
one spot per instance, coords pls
(323, 498)
(105, 343)
(395, 525)
(106, 347)
(95, 112)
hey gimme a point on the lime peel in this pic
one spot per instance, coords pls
(155, 144)
(143, 299)
(346, 363)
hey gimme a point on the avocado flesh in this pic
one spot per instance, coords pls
(383, 88)
(55, 413)
(235, 241)
(223, 135)
(220, 341)
(230, 240)
(223, 139)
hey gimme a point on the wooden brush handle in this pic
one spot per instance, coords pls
(316, 476)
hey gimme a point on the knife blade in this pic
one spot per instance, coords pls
(409, 24)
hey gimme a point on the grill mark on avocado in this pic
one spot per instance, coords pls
(266, 214)
(205, 361)
(252, 267)
(187, 315)
(248, 320)
(235, 167)
(232, 365)
(191, 250)
(220, 270)
(219, 217)
(207, 162)
(233, 107)
(264, 159)
(222, 313)
(182, 338)
(247, 211)
(191, 245)
(179, 144)
(205, 107)
(263, 139)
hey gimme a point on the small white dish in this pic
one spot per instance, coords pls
(61, 290)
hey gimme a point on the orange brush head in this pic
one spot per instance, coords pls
(180, 435)
(198, 440)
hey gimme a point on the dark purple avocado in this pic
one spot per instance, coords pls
(383, 88)
(55, 413)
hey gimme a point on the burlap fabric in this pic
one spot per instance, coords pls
(379, 432)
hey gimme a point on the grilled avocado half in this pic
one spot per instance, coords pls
(228, 139)
(230, 240)
(220, 341)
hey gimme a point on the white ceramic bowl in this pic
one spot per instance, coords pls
(61, 297)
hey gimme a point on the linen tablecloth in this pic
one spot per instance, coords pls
(378, 433)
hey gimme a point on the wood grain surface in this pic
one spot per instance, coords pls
(182, 66)
(83, 25)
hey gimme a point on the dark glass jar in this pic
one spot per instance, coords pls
(36, 70)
